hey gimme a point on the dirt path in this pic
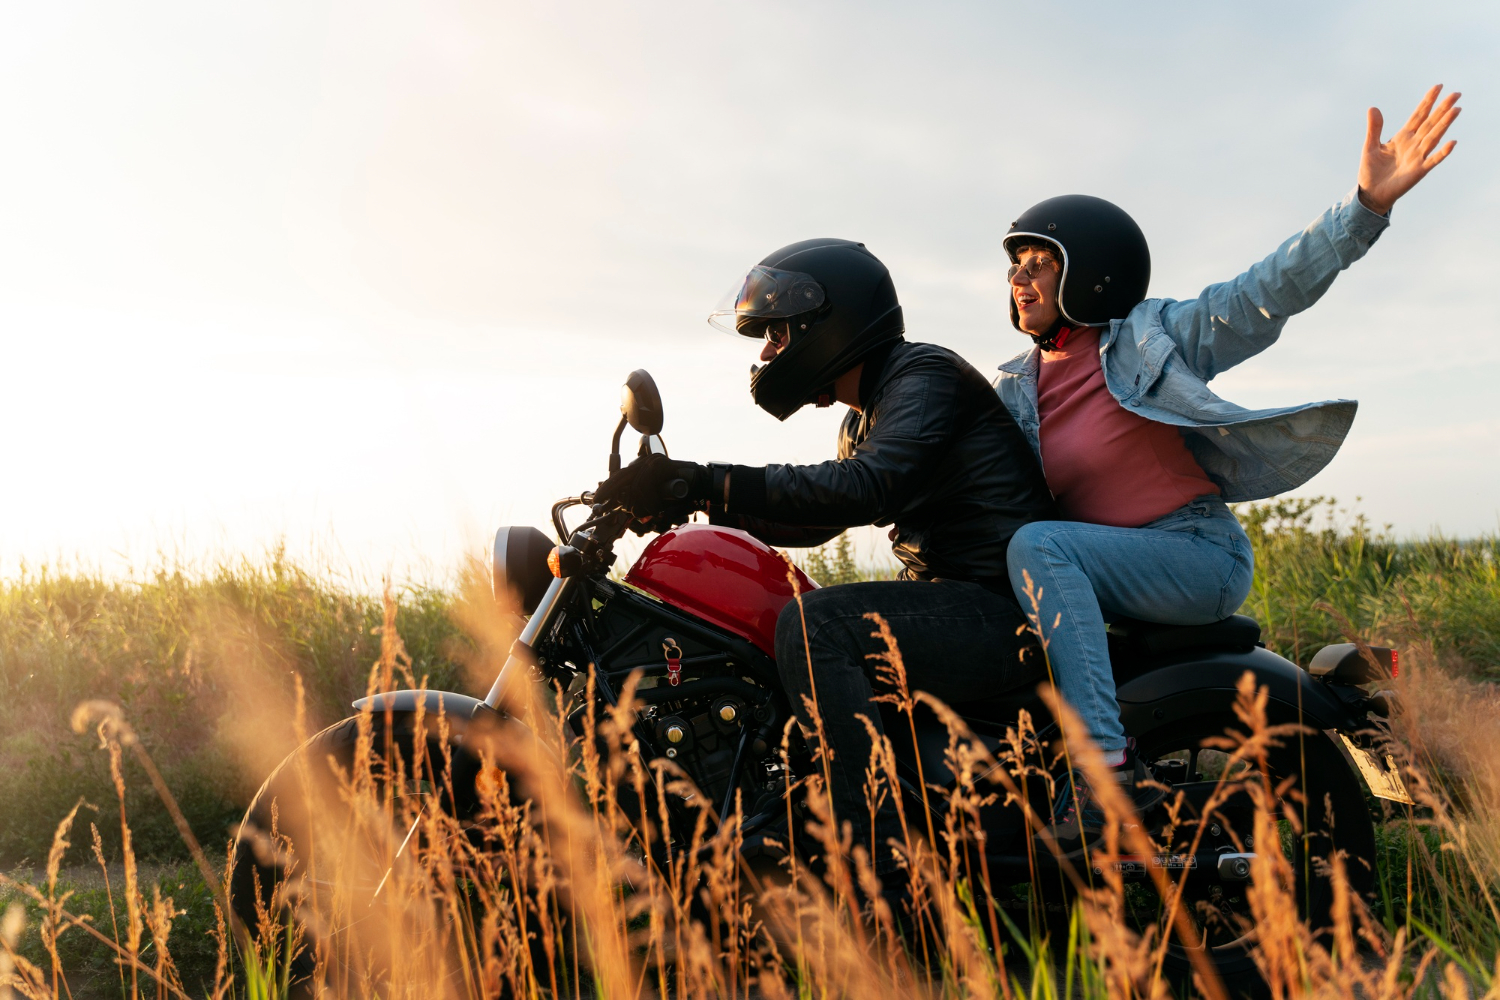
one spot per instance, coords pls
(86, 877)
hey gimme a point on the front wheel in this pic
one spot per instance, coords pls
(324, 837)
(367, 858)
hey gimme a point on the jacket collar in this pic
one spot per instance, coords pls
(876, 369)
(1025, 363)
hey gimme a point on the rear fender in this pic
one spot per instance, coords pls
(1205, 683)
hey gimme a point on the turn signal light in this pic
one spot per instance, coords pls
(564, 560)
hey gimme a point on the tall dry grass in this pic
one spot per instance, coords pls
(190, 652)
(1442, 858)
(571, 878)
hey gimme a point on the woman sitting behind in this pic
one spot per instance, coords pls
(1139, 453)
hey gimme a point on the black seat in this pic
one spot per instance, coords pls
(1237, 632)
(1134, 646)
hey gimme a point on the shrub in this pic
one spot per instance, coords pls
(182, 653)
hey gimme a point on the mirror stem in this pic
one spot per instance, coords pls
(614, 448)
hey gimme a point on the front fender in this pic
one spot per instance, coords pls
(455, 706)
(1203, 683)
(472, 726)
(459, 712)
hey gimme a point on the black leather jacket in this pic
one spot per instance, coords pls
(933, 452)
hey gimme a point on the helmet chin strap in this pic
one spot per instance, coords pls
(1054, 337)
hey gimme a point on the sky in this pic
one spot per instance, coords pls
(365, 278)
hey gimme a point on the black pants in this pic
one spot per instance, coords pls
(958, 642)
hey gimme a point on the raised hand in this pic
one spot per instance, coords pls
(1387, 170)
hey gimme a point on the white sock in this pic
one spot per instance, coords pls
(1114, 758)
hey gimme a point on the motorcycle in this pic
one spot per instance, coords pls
(693, 621)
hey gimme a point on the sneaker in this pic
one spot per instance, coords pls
(1079, 819)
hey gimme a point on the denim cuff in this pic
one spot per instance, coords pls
(1361, 223)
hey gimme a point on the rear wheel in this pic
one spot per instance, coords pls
(1324, 800)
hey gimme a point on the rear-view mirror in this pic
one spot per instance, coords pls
(641, 403)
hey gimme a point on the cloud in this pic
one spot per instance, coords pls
(272, 241)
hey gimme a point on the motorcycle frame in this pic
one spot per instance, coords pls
(1152, 693)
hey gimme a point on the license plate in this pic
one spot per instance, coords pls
(1383, 778)
(1136, 864)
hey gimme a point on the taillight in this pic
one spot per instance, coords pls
(1395, 664)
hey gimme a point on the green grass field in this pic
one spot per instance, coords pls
(1313, 557)
(195, 657)
(181, 652)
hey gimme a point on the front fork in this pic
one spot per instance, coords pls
(523, 651)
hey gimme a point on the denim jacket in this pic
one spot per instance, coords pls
(1159, 359)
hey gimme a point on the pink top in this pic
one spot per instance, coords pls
(1105, 464)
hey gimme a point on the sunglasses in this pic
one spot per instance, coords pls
(779, 334)
(1034, 266)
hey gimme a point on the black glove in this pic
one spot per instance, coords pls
(655, 484)
(680, 513)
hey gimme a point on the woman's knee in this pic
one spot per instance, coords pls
(1029, 537)
(1030, 549)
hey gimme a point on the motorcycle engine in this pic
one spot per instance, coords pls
(700, 735)
(697, 693)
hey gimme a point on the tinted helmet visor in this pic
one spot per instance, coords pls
(766, 293)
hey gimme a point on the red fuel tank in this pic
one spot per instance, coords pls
(721, 575)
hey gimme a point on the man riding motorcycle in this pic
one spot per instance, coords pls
(926, 446)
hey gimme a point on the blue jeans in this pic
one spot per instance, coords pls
(1190, 567)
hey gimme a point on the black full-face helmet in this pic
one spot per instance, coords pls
(1106, 264)
(837, 302)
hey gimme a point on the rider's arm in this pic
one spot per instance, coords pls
(911, 422)
(1238, 319)
(787, 536)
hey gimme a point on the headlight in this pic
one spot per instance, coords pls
(519, 569)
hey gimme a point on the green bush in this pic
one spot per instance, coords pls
(1318, 568)
(90, 964)
(834, 563)
(178, 651)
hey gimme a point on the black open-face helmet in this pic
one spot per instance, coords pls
(1106, 264)
(837, 302)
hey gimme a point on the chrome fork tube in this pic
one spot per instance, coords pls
(515, 668)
